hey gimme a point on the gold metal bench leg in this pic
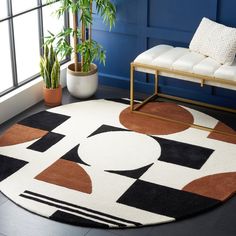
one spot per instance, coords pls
(131, 87)
(156, 82)
(132, 69)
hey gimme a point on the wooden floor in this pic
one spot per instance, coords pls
(15, 221)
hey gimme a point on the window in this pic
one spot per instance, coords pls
(26, 45)
(18, 6)
(6, 79)
(51, 22)
(22, 28)
(3, 9)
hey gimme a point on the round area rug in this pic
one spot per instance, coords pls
(96, 164)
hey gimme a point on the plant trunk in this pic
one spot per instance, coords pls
(75, 39)
(83, 38)
(90, 26)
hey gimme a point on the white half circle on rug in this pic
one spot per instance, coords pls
(119, 150)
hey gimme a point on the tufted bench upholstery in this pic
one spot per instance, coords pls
(171, 61)
(181, 63)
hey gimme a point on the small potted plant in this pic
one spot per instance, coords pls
(50, 71)
(82, 76)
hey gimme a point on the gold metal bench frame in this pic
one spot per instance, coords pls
(156, 70)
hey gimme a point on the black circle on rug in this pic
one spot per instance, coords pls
(79, 164)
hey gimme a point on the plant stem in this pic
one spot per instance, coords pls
(75, 38)
(83, 38)
(90, 25)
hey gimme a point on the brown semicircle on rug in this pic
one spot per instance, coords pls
(149, 125)
(20, 134)
(220, 186)
(67, 174)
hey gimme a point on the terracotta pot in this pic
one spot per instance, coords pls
(52, 97)
(82, 84)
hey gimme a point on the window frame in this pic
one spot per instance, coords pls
(9, 18)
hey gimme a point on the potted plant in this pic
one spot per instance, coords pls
(82, 76)
(50, 71)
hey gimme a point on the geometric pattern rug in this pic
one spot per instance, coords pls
(95, 164)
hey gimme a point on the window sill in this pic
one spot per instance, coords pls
(25, 96)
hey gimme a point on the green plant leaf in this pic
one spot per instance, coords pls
(88, 50)
(50, 67)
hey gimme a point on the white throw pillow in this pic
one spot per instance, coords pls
(215, 40)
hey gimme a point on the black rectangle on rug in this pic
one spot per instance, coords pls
(46, 142)
(164, 200)
(44, 120)
(183, 154)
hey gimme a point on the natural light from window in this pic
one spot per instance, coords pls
(20, 39)
(51, 22)
(5, 58)
(19, 6)
(3, 9)
(27, 45)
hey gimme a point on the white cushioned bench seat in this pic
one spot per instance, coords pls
(184, 60)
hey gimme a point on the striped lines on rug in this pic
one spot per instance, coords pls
(92, 215)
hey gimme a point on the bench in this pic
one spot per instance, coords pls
(184, 64)
(181, 63)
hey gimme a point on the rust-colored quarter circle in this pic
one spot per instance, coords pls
(67, 174)
(219, 186)
(154, 126)
(20, 134)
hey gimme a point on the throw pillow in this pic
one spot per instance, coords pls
(215, 40)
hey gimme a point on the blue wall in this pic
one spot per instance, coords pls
(141, 24)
